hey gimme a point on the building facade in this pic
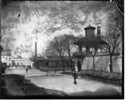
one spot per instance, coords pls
(21, 62)
(92, 57)
(52, 63)
(10, 61)
(6, 57)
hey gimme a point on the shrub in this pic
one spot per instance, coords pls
(115, 78)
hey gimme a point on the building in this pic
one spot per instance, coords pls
(52, 62)
(10, 61)
(6, 57)
(90, 55)
(21, 62)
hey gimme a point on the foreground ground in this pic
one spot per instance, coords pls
(64, 83)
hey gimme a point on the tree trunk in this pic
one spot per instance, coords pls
(63, 66)
(71, 65)
(110, 66)
(62, 63)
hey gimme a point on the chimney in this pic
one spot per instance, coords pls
(99, 32)
(35, 49)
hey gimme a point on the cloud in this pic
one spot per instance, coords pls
(23, 19)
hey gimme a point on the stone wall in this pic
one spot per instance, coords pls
(102, 63)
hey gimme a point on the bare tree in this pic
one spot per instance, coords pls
(69, 46)
(51, 49)
(113, 38)
(63, 46)
(56, 48)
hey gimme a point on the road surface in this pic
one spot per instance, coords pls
(61, 82)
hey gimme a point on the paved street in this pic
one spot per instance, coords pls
(61, 82)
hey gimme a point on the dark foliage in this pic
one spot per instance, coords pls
(107, 77)
(113, 78)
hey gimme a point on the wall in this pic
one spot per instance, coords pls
(6, 59)
(23, 61)
(102, 63)
(52, 64)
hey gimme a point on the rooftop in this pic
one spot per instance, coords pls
(90, 27)
(91, 41)
(50, 58)
(6, 53)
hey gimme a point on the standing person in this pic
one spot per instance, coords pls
(75, 74)
(27, 69)
(79, 66)
(17, 65)
(47, 65)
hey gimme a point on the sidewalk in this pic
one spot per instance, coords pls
(22, 71)
(32, 72)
